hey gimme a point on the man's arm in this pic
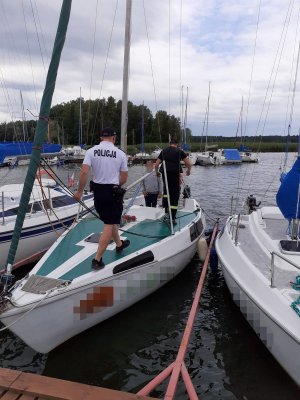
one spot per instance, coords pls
(123, 177)
(188, 165)
(156, 166)
(83, 177)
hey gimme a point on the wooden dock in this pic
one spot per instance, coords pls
(18, 385)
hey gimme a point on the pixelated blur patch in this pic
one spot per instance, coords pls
(254, 316)
(97, 300)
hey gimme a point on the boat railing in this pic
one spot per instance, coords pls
(273, 254)
(235, 222)
(2, 203)
(45, 205)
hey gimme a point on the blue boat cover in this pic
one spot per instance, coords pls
(232, 155)
(244, 148)
(288, 192)
(10, 149)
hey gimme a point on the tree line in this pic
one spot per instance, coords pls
(80, 121)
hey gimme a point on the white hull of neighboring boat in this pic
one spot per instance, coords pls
(248, 157)
(42, 225)
(209, 158)
(38, 233)
(204, 159)
(266, 308)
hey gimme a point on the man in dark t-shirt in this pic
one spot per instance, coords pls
(172, 156)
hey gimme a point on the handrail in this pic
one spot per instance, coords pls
(237, 230)
(139, 180)
(3, 220)
(273, 254)
(178, 366)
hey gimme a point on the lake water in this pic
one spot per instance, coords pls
(225, 358)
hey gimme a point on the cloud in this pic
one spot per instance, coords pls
(187, 46)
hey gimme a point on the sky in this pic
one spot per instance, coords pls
(225, 67)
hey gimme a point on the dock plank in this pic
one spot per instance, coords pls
(17, 385)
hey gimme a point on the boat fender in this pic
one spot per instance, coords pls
(202, 249)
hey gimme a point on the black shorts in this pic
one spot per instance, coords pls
(109, 209)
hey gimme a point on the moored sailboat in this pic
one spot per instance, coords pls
(62, 296)
(260, 257)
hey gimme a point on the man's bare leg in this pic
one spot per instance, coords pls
(104, 240)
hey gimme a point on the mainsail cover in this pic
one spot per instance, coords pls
(288, 194)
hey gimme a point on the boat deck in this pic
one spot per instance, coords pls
(258, 248)
(85, 238)
(17, 385)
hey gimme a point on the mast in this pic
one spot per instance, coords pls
(23, 118)
(207, 114)
(80, 120)
(124, 117)
(41, 127)
(142, 131)
(185, 147)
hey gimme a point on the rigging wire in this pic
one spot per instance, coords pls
(180, 60)
(29, 55)
(269, 92)
(252, 67)
(37, 35)
(152, 73)
(274, 71)
(92, 70)
(169, 57)
(104, 71)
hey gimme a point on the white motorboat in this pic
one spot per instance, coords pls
(208, 158)
(51, 210)
(248, 156)
(260, 257)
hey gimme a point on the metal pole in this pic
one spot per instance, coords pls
(168, 197)
(124, 116)
(237, 230)
(272, 269)
(3, 222)
(139, 180)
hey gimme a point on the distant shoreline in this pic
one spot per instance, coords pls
(269, 147)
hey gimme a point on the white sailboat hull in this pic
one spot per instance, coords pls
(44, 321)
(64, 316)
(246, 269)
(279, 342)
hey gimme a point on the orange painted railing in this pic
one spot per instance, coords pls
(178, 366)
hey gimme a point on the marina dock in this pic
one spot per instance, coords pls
(26, 386)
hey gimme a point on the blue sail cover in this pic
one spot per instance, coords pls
(287, 195)
(232, 155)
(10, 149)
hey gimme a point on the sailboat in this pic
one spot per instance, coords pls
(246, 154)
(211, 155)
(62, 296)
(51, 209)
(260, 257)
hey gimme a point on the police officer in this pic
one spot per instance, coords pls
(110, 172)
(172, 156)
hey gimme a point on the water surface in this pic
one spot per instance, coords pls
(225, 358)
